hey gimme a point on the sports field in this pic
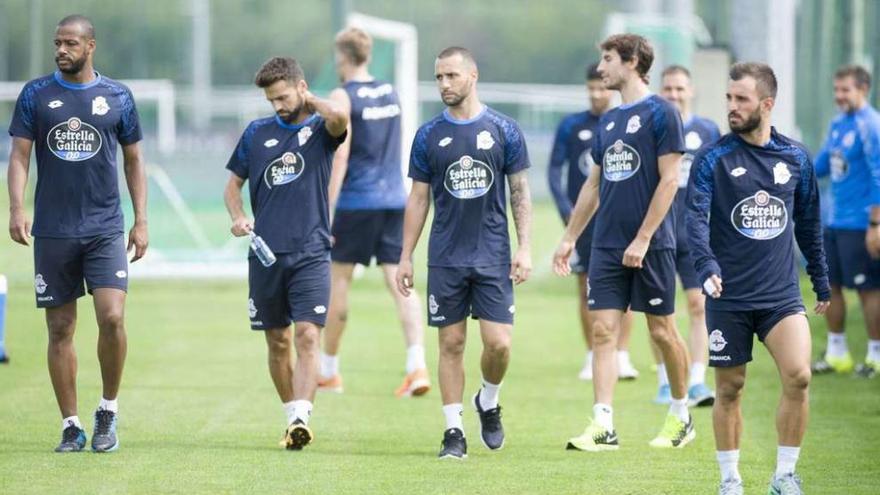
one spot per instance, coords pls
(198, 413)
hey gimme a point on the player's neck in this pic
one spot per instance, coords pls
(86, 75)
(686, 114)
(758, 137)
(469, 108)
(357, 74)
(633, 90)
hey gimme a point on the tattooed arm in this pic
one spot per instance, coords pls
(521, 204)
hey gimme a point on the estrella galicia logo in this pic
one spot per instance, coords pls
(585, 162)
(620, 162)
(468, 178)
(74, 140)
(839, 166)
(284, 170)
(760, 217)
(684, 171)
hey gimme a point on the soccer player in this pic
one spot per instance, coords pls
(632, 264)
(571, 149)
(461, 158)
(73, 119)
(366, 190)
(851, 155)
(286, 159)
(677, 87)
(751, 195)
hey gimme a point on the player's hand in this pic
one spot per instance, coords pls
(561, 257)
(242, 226)
(822, 307)
(404, 277)
(635, 253)
(521, 266)
(712, 286)
(19, 227)
(872, 242)
(137, 240)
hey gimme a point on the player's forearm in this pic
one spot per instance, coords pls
(16, 178)
(136, 179)
(232, 199)
(413, 222)
(662, 200)
(584, 209)
(563, 204)
(521, 204)
(337, 176)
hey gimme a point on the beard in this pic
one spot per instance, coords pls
(289, 117)
(452, 100)
(75, 65)
(752, 122)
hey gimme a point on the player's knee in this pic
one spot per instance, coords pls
(730, 391)
(452, 344)
(662, 335)
(61, 326)
(111, 320)
(498, 347)
(278, 342)
(307, 336)
(797, 380)
(603, 333)
(696, 308)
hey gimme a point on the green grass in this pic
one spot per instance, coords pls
(199, 413)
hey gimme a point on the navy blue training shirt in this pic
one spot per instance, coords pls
(698, 133)
(288, 168)
(572, 148)
(629, 141)
(465, 162)
(374, 179)
(75, 129)
(746, 206)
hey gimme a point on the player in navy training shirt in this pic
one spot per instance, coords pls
(851, 156)
(461, 158)
(73, 120)
(367, 192)
(632, 264)
(750, 196)
(677, 87)
(286, 159)
(571, 151)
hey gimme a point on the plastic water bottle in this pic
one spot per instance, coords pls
(262, 250)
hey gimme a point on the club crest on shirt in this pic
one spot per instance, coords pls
(620, 162)
(760, 217)
(585, 162)
(839, 166)
(74, 140)
(585, 134)
(468, 178)
(781, 174)
(849, 139)
(485, 141)
(693, 141)
(100, 106)
(633, 124)
(304, 134)
(284, 170)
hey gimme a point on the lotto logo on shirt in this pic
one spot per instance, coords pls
(620, 162)
(74, 140)
(284, 170)
(760, 217)
(468, 178)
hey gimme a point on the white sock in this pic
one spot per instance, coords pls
(786, 458)
(329, 365)
(622, 358)
(728, 460)
(302, 410)
(836, 344)
(71, 420)
(603, 415)
(290, 411)
(415, 358)
(588, 361)
(489, 395)
(874, 350)
(109, 405)
(662, 379)
(697, 374)
(453, 416)
(679, 408)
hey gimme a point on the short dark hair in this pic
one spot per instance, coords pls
(84, 22)
(761, 73)
(279, 69)
(676, 69)
(859, 74)
(355, 44)
(457, 50)
(630, 46)
(593, 73)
